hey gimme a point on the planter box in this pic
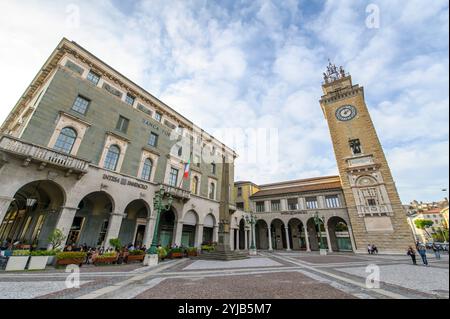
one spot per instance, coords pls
(17, 263)
(70, 261)
(135, 258)
(38, 262)
(51, 260)
(192, 254)
(176, 255)
(104, 261)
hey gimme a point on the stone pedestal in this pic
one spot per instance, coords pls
(151, 260)
(253, 252)
(323, 252)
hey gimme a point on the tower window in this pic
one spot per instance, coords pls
(122, 124)
(355, 145)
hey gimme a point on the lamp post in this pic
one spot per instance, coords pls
(159, 207)
(318, 221)
(252, 221)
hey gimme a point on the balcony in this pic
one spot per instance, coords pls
(176, 192)
(43, 156)
(379, 210)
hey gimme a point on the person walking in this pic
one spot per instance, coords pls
(436, 250)
(423, 254)
(411, 253)
(369, 249)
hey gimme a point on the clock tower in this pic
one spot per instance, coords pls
(374, 207)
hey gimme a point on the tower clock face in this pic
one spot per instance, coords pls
(346, 113)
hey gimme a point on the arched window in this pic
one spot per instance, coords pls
(147, 169)
(212, 191)
(112, 158)
(194, 189)
(66, 140)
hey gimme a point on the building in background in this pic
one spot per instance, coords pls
(85, 149)
(435, 212)
(241, 194)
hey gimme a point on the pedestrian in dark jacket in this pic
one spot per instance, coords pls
(423, 254)
(411, 253)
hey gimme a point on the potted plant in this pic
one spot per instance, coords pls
(39, 259)
(176, 253)
(18, 260)
(135, 255)
(192, 251)
(70, 258)
(162, 253)
(105, 259)
(115, 243)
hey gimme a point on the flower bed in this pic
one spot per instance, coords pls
(70, 258)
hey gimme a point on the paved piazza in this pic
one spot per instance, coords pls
(278, 275)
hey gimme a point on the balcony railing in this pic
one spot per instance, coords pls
(379, 210)
(44, 156)
(177, 192)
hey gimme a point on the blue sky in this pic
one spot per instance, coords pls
(259, 64)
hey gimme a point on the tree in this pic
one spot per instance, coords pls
(423, 224)
(56, 239)
(115, 242)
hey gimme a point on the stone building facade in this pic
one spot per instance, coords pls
(84, 151)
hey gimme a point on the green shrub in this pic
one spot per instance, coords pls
(191, 249)
(19, 253)
(106, 256)
(38, 253)
(56, 238)
(115, 242)
(208, 248)
(176, 250)
(70, 255)
(137, 253)
(162, 252)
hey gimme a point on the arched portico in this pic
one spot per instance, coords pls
(316, 235)
(135, 225)
(262, 235)
(209, 229)
(191, 229)
(340, 236)
(242, 235)
(166, 230)
(91, 222)
(33, 213)
(297, 234)
(278, 231)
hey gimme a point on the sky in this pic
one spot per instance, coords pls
(258, 64)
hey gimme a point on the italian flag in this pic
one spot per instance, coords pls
(187, 168)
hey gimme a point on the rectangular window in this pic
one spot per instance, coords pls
(240, 206)
(153, 140)
(293, 204)
(260, 207)
(213, 168)
(239, 192)
(122, 124)
(275, 205)
(80, 105)
(332, 201)
(94, 78)
(371, 202)
(311, 203)
(112, 90)
(75, 68)
(173, 177)
(169, 125)
(130, 99)
(144, 109)
(158, 116)
(197, 160)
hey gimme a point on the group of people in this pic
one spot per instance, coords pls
(422, 250)
(372, 249)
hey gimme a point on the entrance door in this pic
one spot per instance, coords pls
(165, 238)
(75, 231)
(139, 239)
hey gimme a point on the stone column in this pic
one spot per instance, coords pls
(115, 221)
(253, 234)
(237, 238)
(199, 235)
(178, 234)
(330, 249)
(216, 234)
(288, 244)
(4, 205)
(246, 239)
(64, 223)
(149, 232)
(270, 238)
(352, 240)
(308, 247)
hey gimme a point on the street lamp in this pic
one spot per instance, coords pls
(251, 219)
(318, 223)
(159, 207)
